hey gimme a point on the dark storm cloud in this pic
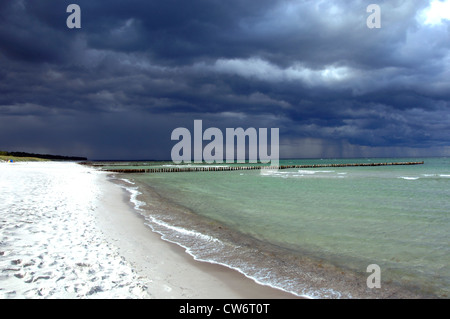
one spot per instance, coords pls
(138, 69)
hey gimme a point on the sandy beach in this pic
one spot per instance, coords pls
(69, 232)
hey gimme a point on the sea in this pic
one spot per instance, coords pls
(313, 232)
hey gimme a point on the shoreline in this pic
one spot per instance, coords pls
(310, 277)
(168, 270)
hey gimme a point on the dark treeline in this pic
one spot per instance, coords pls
(44, 156)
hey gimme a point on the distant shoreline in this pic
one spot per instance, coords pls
(32, 157)
(5, 158)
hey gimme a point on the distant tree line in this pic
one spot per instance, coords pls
(44, 156)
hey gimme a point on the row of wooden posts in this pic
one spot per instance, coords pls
(238, 168)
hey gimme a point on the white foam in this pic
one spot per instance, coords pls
(270, 172)
(307, 172)
(134, 193)
(409, 178)
(127, 181)
(184, 231)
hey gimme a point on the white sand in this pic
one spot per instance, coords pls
(68, 232)
(50, 246)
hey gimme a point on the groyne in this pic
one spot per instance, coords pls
(244, 167)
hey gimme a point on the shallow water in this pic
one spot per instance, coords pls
(314, 231)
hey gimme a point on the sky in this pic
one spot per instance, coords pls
(136, 70)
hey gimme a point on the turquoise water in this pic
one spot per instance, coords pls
(340, 219)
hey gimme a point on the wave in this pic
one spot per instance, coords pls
(134, 193)
(409, 178)
(127, 181)
(426, 175)
(302, 174)
(302, 171)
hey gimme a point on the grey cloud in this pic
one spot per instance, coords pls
(138, 70)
